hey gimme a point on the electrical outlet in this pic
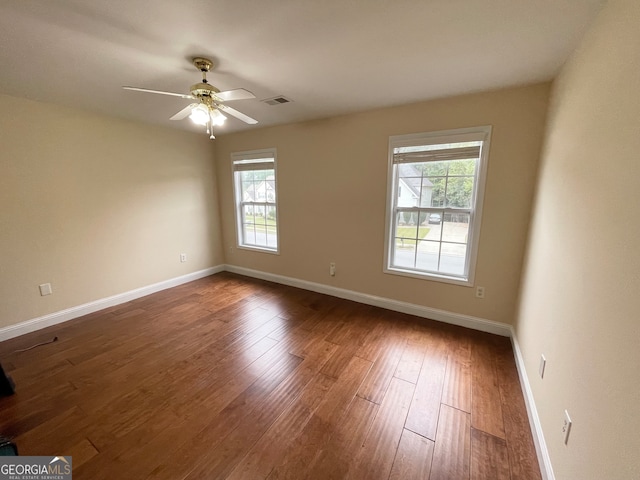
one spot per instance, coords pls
(45, 289)
(543, 364)
(479, 292)
(332, 269)
(566, 427)
(183, 257)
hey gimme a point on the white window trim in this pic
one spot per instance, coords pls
(247, 155)
(482, 133)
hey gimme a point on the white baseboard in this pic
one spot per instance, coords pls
(534, 420)
(468, 321)
(77, 311)
(461, 320)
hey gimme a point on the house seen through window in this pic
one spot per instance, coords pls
(256, 199)
(435, 190)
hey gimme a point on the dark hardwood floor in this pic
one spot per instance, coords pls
(230, 377)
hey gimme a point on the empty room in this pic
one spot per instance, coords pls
(320, 240)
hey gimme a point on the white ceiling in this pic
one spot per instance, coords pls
(328, 56)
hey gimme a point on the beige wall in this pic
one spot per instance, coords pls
(97, 206)
(580, 304)
(332, 180)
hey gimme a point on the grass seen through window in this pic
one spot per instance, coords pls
(406, 236)
(261, 224)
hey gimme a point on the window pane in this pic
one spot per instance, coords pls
(248, 189)
(462, 167)
(261, 230)
(249, 234)
(438, 187)
(455, 227)
(404, 254)
(409, 185)
(271, 215)
(248, 225)
(271, 189)
(407, 225)
(434, 222)
(248, 214)
(434, 168)
(459, 192)
(271, 227)
(246, 176)
(452, 258)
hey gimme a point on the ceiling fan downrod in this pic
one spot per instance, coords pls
(204, 65)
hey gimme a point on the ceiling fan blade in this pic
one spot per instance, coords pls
(238, 115)
(146, 90)
(236, 94)
(184, 112)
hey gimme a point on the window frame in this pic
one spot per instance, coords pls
(239, 203)
(480, 133)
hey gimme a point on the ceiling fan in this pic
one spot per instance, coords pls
(208, 109)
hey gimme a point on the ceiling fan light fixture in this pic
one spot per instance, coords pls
(200, 114)
(217, 118)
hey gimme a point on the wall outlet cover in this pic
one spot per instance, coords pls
(45, 289)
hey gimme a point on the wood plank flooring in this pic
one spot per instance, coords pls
(231, 377)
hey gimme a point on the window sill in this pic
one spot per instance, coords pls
(253, 248)
(430, 276)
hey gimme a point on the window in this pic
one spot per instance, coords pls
(435, 189)
(254, 182)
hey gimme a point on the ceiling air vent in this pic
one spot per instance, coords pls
(276, 100)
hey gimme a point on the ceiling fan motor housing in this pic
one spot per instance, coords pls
(203, 90)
